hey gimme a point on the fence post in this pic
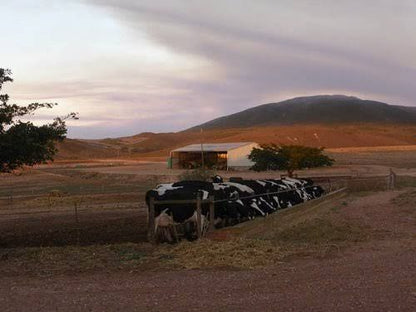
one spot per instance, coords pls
(151, 221)
(76, 220)
(211, 214)
(198, 216)
(388, 182)
(391, 180)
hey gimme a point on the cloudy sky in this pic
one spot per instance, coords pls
(129, 66)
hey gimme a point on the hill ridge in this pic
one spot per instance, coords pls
(320, 109)
(321, 120)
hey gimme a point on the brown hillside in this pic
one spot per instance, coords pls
(330, 136)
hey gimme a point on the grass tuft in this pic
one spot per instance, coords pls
(320, 232)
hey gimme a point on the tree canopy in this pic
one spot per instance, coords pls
(22, 142)
(288, 157)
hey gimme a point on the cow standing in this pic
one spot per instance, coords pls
(236, 201)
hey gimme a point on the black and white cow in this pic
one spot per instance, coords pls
(236, 201)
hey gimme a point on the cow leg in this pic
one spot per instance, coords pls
(189, 231)
(175, 233)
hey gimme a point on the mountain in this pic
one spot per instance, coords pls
(324, 120)
(320, 109)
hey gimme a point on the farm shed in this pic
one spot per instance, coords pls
(222, 156)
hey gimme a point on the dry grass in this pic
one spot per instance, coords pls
(235, 253)
(266, 228)
(316, 228)
(406, 202)
(334, 136)
(310, 229)
(369, 184)
(320, 232)
(307, 229)
(371, 149)
(69, 259)
(405, 182)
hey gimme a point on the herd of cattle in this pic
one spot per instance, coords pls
(235, 201)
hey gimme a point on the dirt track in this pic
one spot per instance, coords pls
(379, 279)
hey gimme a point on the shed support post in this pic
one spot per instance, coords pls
(198, 216)
(211, 214)
(151, 222)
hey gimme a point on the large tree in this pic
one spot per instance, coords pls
(22, 142)
(288, 157)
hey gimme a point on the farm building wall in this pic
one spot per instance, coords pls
(238, 157)
(192, 160)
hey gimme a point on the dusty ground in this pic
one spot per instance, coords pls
(375, 274)
(59, 207)
(357, 254)
(98, 202)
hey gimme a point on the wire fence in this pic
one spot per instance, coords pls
(347, 182)
(198, 203)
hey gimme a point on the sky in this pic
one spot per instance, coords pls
(131, 66)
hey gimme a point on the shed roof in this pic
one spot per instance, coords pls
(212, 147)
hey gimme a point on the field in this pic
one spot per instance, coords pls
(71, 229)
(103, 201)
(327, 135)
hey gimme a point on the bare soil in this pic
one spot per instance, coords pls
(362, 260)
(63, 207)
(103, 202)
(62, 228)
(378, 274)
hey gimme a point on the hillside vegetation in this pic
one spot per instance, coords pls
(320, 109)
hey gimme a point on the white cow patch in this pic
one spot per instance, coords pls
(219, 186)
(165, 228)
(241, 187)
(254, 205)
(265, 201)
(194, 219)
(205, 194)
(295, 181)
(302, 195)
(261, 182)
(163, 220)
(276, 199)
(162, 188)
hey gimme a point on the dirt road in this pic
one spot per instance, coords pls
(381, 278)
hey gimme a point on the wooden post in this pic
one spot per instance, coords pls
(76, 212)
(392, 180)
(77, 221)
(211, 214)
(388, 182)
(198, 216)
(151, 221)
